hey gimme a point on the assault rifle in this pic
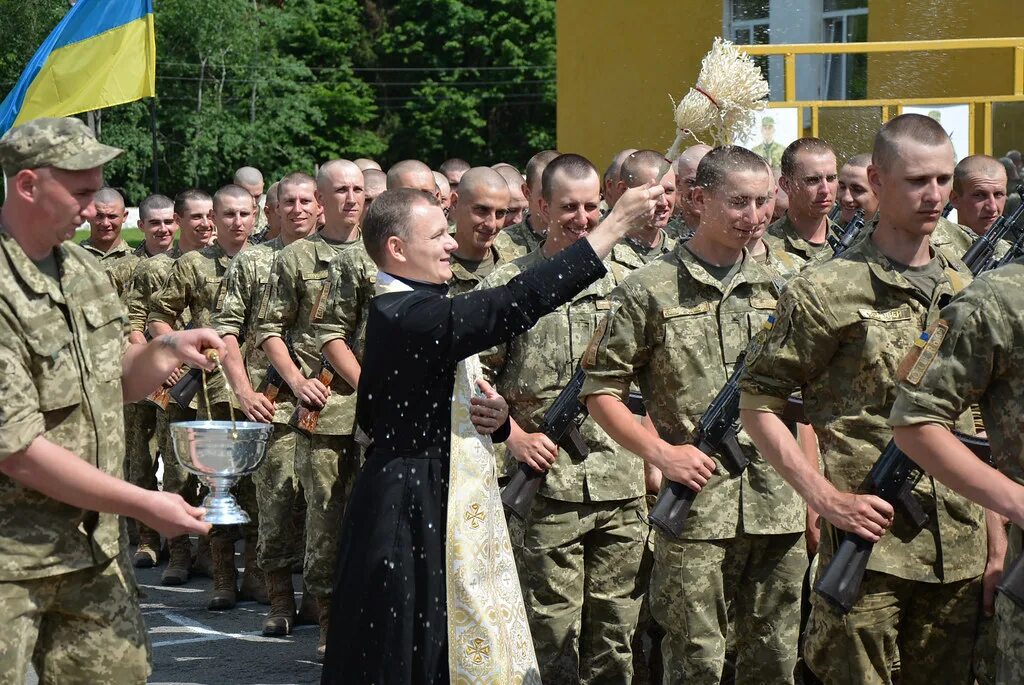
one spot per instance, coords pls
(716, 433)
(561, 424)
(979, 256)
(272, 381)
(842, 243)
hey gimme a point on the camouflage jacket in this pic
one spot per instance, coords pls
(779, 262)
(196, 284)
(783, 237)
(246, 297)
(631, 255)
(146, 281)
(119, 250)
(676, 331)
(522, 237)
(299, 295)
(841, 331)
(354, 278)
(531, 370)
(503, 250)
(980, 360)
(60, 350)
(122, 271)
(678, 229)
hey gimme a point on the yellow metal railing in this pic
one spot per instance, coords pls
(979, 105)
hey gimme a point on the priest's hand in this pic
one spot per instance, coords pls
(489, 411)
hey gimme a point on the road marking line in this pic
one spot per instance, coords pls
(208, 634)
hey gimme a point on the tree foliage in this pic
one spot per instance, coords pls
(285, 84)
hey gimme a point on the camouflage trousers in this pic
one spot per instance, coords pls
(1010, 625)
(176, 478)
(326, 467)
(578, 565)
(244, 491)
(276, 490)
(139, 429)
(695, 582)
(80, 627)
(931, 626)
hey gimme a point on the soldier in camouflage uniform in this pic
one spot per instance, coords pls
(583, 539)
(528, 234)
(156, 219)
(195, 284)
(770, 150)
(979, 197)
(105, 242)
(192, 213)
(644, 245)
(326, 459)
(479, 212)
(271, 219)
(809, 179)
(840, 331)
(854, 190)
(783, 265)
(68, 600)
(686, 218)
(251, 179)
(677, 327)
(976, 359)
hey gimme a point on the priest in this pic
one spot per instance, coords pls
(425, 590)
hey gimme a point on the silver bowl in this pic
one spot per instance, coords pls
(219, 454)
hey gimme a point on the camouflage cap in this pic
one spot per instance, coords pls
(65, 143)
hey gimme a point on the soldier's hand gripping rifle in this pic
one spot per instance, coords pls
(305, 417)
(849, 234)
(561, 424)
(978, 257)
(272, 381)
(716, 434)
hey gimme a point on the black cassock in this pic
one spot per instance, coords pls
(388, 621)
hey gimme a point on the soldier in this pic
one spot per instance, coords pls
(839, 332)
(517, 202)
(583, 539)
(271, 218)
(195, 284)
(854, 190)
(687, 219)
(105, 242)
(528, 234)
(768, 148)
(610, 178)
(326, 459)
(780, 263)
(979, 197)
(365, 164)
(192, 213)
(976, 359)
(643, 245)
(156, 219)
(453, 169)
(479, 214)
(68, 600)
(251, 179)
(809, 178)
(412, 173)
(678, 327)
(374, 183)
(444, 190)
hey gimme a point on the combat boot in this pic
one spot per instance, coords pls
(180, 565)
(282, 603)
(202, 565)
(254, 583)
(148, 553)
(225, 576)
(308, 614)
(324, 604)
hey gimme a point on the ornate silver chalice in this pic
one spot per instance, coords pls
(219, 454)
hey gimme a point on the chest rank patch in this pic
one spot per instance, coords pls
(926, 347)
(317, 312)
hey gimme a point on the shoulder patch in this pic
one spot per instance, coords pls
(921, 356)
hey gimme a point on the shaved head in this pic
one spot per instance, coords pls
(979, 192)
(443, 187)
(978, 166)
(861, 161)
(330, 170)
(363, 163)
(480, 205)
(412, 173)
(906, 127)
(480, 178)
(689, 160)
(686, 179)
(293, 179)
(612, 175)
(535, 168)
(636, 167)
(375, 182)
(272, 194)
(109, 196)
(230, 190)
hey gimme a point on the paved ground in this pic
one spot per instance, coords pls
(192, 645)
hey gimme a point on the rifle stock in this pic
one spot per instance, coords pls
(305, 417)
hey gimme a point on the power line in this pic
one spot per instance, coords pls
(528, 67)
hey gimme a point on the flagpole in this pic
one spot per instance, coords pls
(152, 128)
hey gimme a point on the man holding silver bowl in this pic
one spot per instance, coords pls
(68, 599)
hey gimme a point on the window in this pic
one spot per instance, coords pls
(845, 76)
(750, 27)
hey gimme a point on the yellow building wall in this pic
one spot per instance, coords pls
(618, 63)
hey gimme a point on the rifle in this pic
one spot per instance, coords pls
(978, 257)
(716, 433)
(849, 235)
(161, 397)
(947, 209)
(561, 424)
(305, 417)
(635, 404)
(1012, 583)
(1015, 251)
(834, 213)
(272, 382)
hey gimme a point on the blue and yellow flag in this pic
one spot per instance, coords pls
(102, 53)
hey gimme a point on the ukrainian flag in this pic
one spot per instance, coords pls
(102, 53)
